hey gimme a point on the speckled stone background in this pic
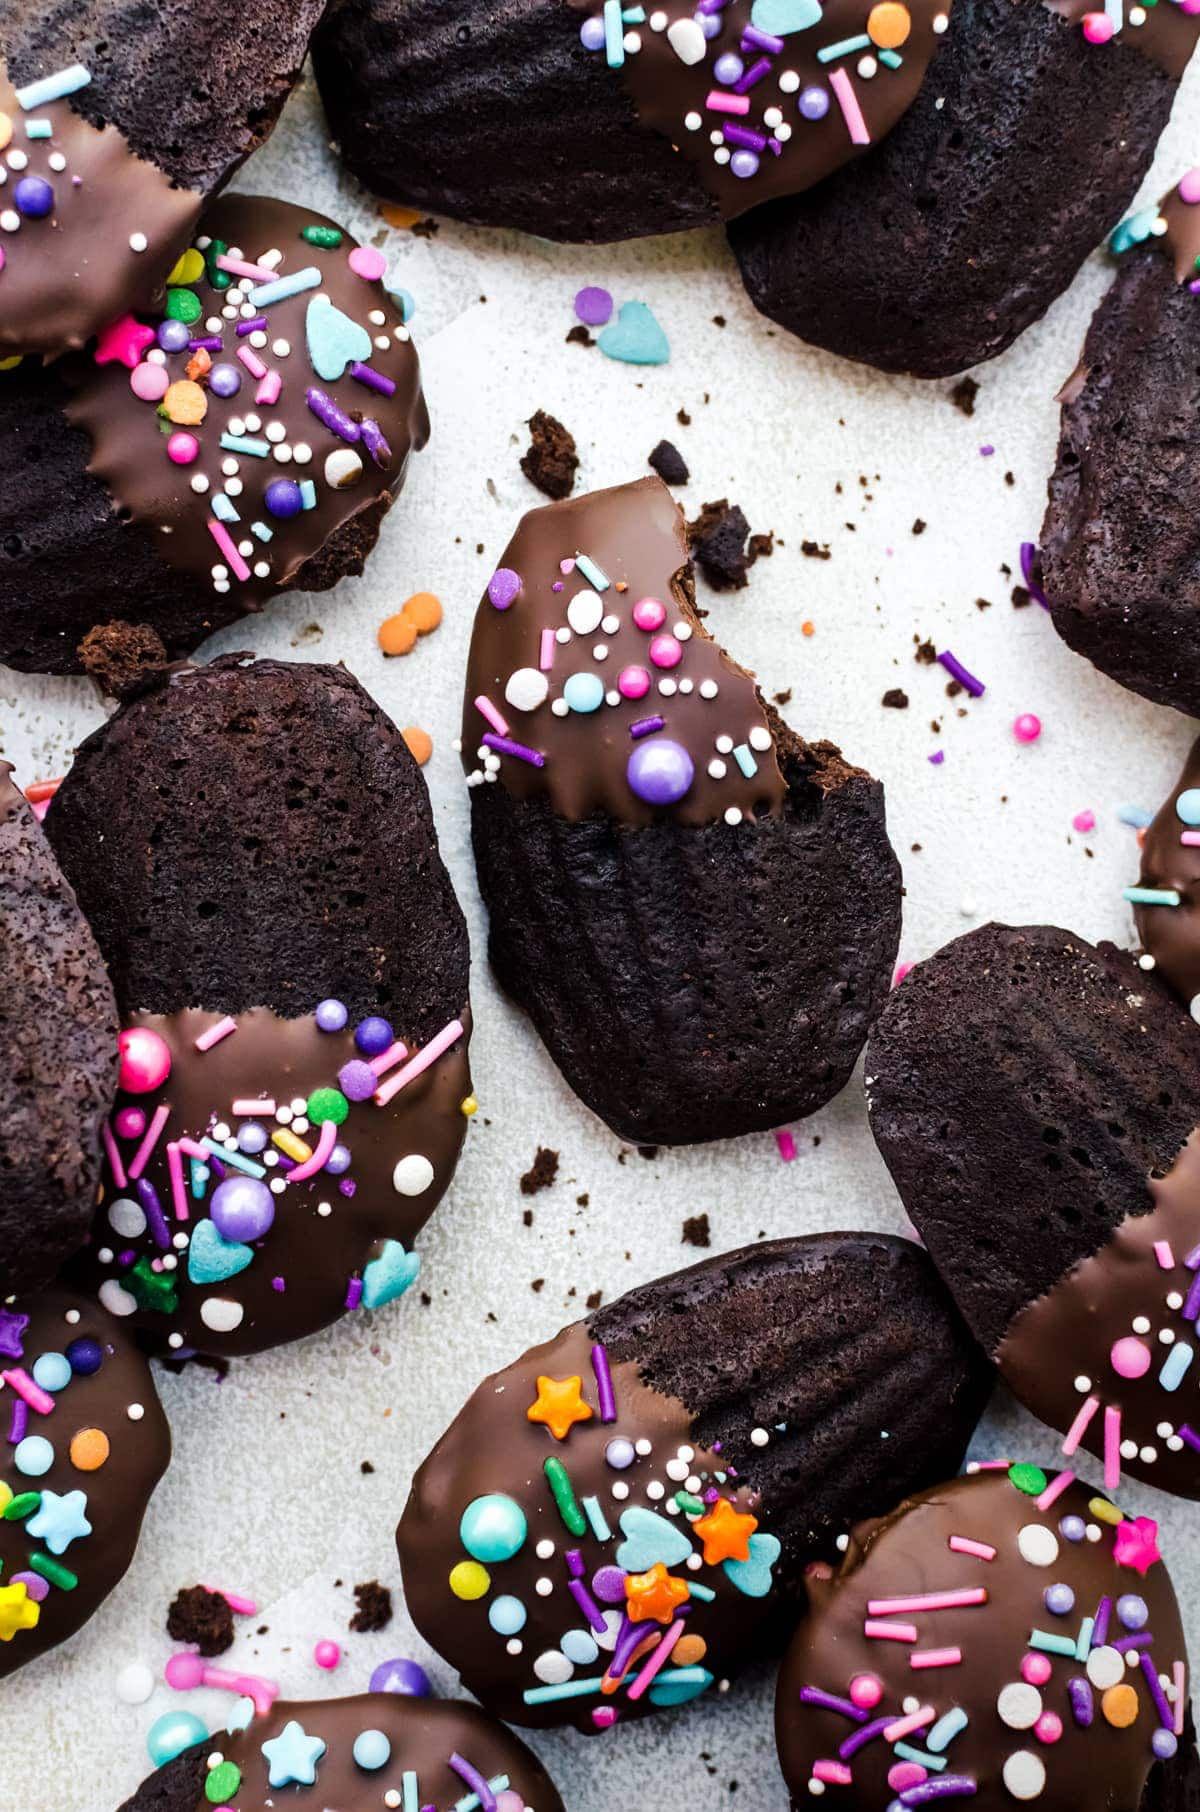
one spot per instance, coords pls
(266, 1495)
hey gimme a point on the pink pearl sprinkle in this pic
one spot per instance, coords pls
(1048, 1728)
(149, 381)
(145, 1060)
(866, 1690)
(665, 651)
(327, 1654)
(906, 1774)
(1036, 1669)
(633, 682)
(1027, 727)
(604, 1717)
(183, 449)
(1084, 821)
(649, 614)
(1189, 187)
(1130, 1357)
(367, 263)
(1097, 29)
(130, 1123)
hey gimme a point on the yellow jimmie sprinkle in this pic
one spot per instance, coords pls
(290, 1145)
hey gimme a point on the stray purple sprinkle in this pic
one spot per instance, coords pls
(335, 419)
(645, 725)
(946, 1786)
(19, 1423)
(374, 380)
(258, 325)
(147, 1195)
(593, 306)
(986, 451)
(1166, 1716)
(1029, 557)
(279, 1284)
(954, 666)
(475, 1781)
(354, 1291)
(858, 1739)
(503, 587)
(504, 745)
(845, 1708)
(211, 343)
(375, 441)
(936, 759)
(754, 39)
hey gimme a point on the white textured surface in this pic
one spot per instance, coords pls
(266, 1495)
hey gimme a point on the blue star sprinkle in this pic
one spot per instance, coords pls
(60, 1520)
(293, 1756)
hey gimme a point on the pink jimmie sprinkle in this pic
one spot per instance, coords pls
(546, 651)
(836, 1773)
(902, 1727)
(935, 1657)
(387, 1060)
(1055, 1489)
(487, 709)
(1079, 1426)
(153, 1134)
(240, 268)
(320, 1155)
(720, 101)
(890, 1632)
(251, 361)
(657, 1659)
(31, 1393)
(786, 1144)
(175, 1172)
(433, 1050)
(267, 394)
(246, 1107)
(239, 1605)
(214, 1034)
(927, 1601)
(852, 113)
(1084, 822)
(220, 535)
(1164, 1254)
(1112, 1447)
(980, 1550)
(115, 1161)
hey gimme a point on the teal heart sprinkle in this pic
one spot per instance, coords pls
(1133, 231)
(753, 1576)
(389, 1275)
(783, 17)
(635, 337)
(212, 1259)
(650, 1538)
(334, 340)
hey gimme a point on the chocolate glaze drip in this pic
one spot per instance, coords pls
(130, 436)
(119, 1401)
(68, 273)
(1105, 1761)
(635, 535)
(1171, 934)
(300, 1275)
(1096, 1338)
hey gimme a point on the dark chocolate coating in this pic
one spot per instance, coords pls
(116, 1491)
(423, 1734)
(1171, 934)
(1119, 539)
(268, 844)
(191, 92)
(1098, 1762)
(946, 241)
(75, 553)
(1023, 1087)
(800, 1380)
(58, 1054)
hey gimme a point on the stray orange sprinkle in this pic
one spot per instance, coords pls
(423, 611)
(397, 216)
(397, 635)
(89, 1449)
(420, 744)
(807, 628)
(185, 404)
(37, 790)
(200, 364)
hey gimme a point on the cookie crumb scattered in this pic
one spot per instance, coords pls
(579, 336)
(896, 699)
(595, 1299)
(1021, 597)
(122, 657)
(816, 550)
(551, 461)
(541, 1173)
(428, 228)
(374, 1607)
(718, 539)
(669, 463)
(926, 652)
(366, 1468)
(696, 1231)
(919, 526)
(963, 395)
(202, 1619)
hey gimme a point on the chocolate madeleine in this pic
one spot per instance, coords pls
(1037, 1102)
(197, 462)
(118, 120)
(550, 115)
(698, 909)
(1037, 1624)
(624, 1517)
(1119, 541)
(87, 1443)
(355, 1754)
(58, 1054)
(1166, 900)
(290, 966)
(946, 241)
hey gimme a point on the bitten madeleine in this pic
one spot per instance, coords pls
(58, 1054)
(622, 1519)
(1011, 1637)
(943, 243)
(119, 119)
(1119, 540)
(378, 1750)
(86, 1442)
(698, 909)
(1037, 1102)
(246, 439)
(254, 848)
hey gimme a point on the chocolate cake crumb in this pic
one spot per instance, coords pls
(1021, 597)
(595, 1299)
(896, 699)
(537, 1285)
(983, 603)
(202, 1619)
(366, 1467)
(581, 1201)
(926, 653)
(669, 463)
(919, 527)
(551, 461)
(541, 1173)
(374, 1607)
(718, 538)
(683, 418)
(647, 1151)
(782, 698)
(816, 550)
(696, 1231)
(963, 395)
(761, 547)
(122, 657)
(429, 229)
(579, 336)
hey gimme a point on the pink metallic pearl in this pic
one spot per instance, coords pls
(1097, 29)
(1084, 822)
(649, 614)
(1130, 1357)
(1036, 1669)
(327, 1654)
(149, 382)
(1027, 727)
(130, 1123)
(145, 1060)
(1048, 1728)
(865, 1691)
(633, 682)
(183, 448)
(665, 651)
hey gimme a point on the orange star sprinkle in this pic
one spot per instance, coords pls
(725, 1533)
(560, 1405)
(654, 1594)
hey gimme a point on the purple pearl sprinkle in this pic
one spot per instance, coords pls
(1164, 1744)
(242, 1209)
(608, 1584)
(172, 336)
(357, 1080)
(338, 1161)
(401, 1675)
(283, 499)
(331, 1015)
(33, 197)
(709, 24)
(813, 103)
(373, 1035)
(728, 68)
(660, 771)
(503, 587)
(593, 305)
(225, 380)
(591, 34)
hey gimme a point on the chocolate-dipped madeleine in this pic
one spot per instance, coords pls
(290, 967)
(698, 909)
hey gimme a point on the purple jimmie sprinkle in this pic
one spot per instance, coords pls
(258, 325)
(708, 7)
(475, 1781)
(156, 1220)
(739, 135)
(504, 745)
(354, 1291)
(1083, 1706)
(1166, 1716)
(949, 1786)
(335, 419)
(1191, 1307)
(858, 1739)
(1142, 1640)
(1029, 556)
(374, 380)
(19, 1423)
(1192, 1261)
(1190, 1436)
(587, 1605)
(753, 39)
(845, 1708)
(604, 1385)
(645, 725)
(954, 666)
(575, 1566)
(753, 75)
(1100, 1627)
(211, 343)
(375, 441)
